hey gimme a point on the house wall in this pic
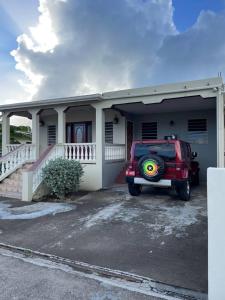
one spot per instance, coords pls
(206, 152)
(48, 120)
(111, 170)
(85, 115)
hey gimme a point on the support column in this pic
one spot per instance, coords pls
(36, 131)
(220, 129)
(100, 143)
(5, 132)
(61, 124)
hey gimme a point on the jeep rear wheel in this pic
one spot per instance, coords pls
(134, 189)
(184, 191)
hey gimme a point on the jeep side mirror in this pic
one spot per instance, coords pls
(194, 154)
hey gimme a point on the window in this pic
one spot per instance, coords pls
(149, 131)
(51, 134)
(197, 131)
(109, 132)
(165, 150)
(197, 125)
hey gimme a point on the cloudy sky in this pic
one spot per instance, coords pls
(55, 48)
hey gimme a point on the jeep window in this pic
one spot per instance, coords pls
(167, 150)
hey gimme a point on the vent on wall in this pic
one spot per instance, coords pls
(109, 132)
(149, 131)
(197, 125)
(51, 135)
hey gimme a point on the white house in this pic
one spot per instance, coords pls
(98, 131)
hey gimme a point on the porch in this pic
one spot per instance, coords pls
(94, 137)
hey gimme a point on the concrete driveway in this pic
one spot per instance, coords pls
(154, 235)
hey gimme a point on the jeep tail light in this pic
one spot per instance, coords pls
(182, 171)
(130, 171)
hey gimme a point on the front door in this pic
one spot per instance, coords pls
(129, 138)
(79, 133)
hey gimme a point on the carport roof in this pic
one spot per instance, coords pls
(205, 84)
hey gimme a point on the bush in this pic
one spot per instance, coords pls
(62, 176)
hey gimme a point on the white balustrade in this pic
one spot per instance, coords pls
(115, 152)
(12, 147)
(81, 152)
(50, 154)
(15, 159)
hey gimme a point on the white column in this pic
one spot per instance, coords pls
(100, 143)
(216, 225)
(5, 132)
(220, 129)
(36, 131)
(61, 124)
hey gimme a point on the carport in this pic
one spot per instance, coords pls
(192, 119)
(193, 111)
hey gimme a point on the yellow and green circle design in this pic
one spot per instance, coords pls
(150, 168)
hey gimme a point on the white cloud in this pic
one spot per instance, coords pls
(93, 46)
(87, 46)
(197, 53)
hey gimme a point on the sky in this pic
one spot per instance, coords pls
(60, 48)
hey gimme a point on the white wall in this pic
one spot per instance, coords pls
(119, 130)
(206, 152)
(48, 120)
(85, 115)
(216, 233)
(90, 180)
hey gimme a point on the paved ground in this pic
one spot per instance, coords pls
(154, 235)
(43, 279)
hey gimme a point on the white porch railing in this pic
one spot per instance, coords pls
(81, 152)
(85, 153)
(115, 152)
(12, 147)
(36, 170)
(15, 159)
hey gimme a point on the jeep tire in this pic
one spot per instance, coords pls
(134, 189)
(158, 161)
(184, 190)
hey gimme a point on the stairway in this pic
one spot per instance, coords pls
(121, 178)
(11, 187)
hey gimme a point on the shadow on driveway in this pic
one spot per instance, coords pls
(154, 235)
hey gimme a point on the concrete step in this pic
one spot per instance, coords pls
(11, 187)
(14, 195)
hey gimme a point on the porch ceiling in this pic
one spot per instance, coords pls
(169, 105)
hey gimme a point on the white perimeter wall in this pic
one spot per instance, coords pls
(206, 152)
(216, 233)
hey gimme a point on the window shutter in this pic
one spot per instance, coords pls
(197, 125)
(51, 134)
(109, 132)
(149, 131)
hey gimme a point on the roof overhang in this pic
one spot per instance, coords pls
(51, 103)
(153, 94)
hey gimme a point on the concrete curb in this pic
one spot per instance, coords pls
(159, 288)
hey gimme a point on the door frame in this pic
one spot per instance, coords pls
(127, 150)
(85, 123)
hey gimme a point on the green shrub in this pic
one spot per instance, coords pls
(62, 176)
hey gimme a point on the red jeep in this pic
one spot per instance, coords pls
(162, 163)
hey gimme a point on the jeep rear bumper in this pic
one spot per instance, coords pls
(160, 183)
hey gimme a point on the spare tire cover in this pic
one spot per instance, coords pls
(151, 167)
